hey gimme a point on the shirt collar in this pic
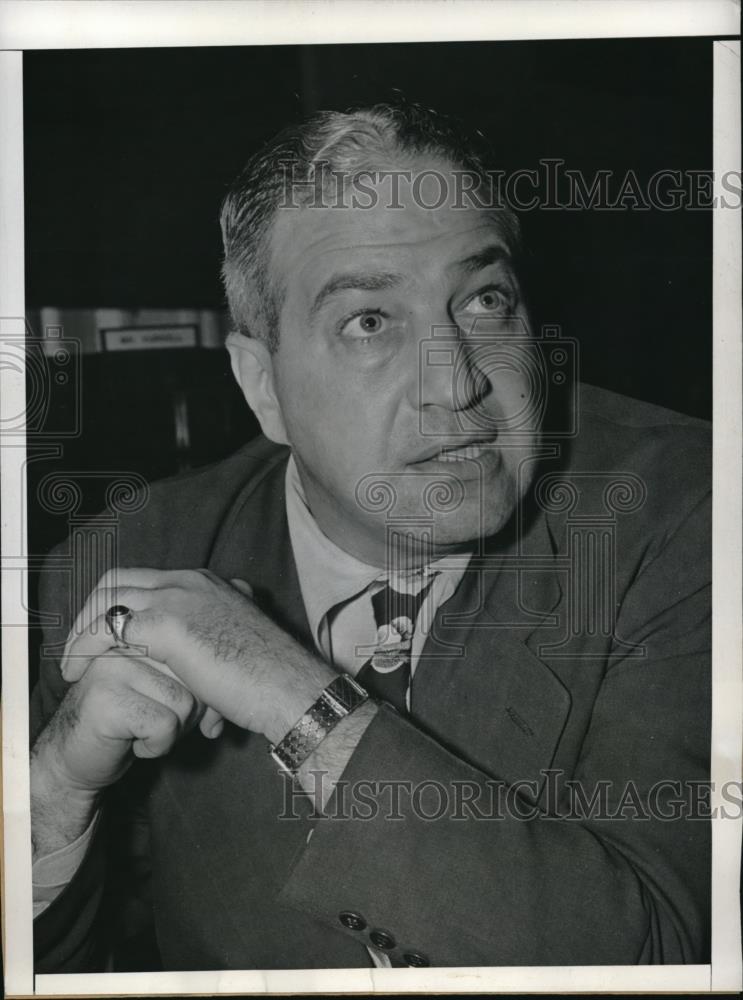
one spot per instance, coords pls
(328, 575)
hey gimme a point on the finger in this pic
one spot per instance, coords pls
(118, 579)
(96, 606)
(96, 638)
(217, 730)
(112, 706)
(148, 632)
(115, 584)
(243, 587)
(147, 579)
(155, 727)
(146, 679)
(151, 579)
(163, 668)
(96, 643)
(199, 708)
(211, 724)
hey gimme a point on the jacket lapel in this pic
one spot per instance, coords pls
(253, 544)
(479, 688)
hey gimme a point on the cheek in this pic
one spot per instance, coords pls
(334, 424)
(337, 401)
(519, 399)
(307, 393)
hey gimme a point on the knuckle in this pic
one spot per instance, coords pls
(119, 595)
(143, 619)
(168, 688)
(97, 696)
(144, 717)
(104, 581)
(172, 619)
(167, 725)
(110, 581)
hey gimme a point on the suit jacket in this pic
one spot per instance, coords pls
(576, 650)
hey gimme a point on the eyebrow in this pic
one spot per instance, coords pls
(489, 255)
(365, 281)
(357, 281)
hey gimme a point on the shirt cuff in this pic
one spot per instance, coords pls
(52, 873)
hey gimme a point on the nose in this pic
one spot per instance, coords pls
(449, 376)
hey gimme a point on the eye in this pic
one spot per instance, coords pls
(364, 325)
(489, 300)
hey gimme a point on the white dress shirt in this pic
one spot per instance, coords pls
(329, 576)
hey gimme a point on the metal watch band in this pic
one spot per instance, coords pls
(337, 701)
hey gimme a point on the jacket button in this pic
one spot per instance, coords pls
(382, 940)
(353, 921)
(415, 959)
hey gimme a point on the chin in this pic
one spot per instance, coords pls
(473, 521)
(466, 531)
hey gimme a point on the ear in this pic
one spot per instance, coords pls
(252, 365)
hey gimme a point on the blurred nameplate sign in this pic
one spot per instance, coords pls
(144, 338)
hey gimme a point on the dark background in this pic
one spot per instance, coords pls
(129, 153)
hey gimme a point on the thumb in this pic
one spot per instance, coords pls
(211, 724)
(243, 587)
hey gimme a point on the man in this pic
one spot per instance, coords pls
(519, 588)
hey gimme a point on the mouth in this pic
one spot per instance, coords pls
(462, 452)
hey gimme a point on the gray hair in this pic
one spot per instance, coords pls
(327, 144)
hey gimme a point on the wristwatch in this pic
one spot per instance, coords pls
(338, 700)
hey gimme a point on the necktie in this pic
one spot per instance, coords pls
(386, 675)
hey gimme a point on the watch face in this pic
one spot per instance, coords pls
(347, 692)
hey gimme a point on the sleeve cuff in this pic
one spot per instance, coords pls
(51, 873)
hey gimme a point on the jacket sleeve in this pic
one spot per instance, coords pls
(622, 879)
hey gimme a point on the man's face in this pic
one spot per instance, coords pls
(403, 360)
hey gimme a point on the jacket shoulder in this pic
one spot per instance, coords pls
(624, 411)
(171, 523)
(616, 431)
(180, 515)
(215, 484)
(668, 455)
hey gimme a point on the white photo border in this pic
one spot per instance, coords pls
(150, 23)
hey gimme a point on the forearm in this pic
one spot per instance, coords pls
(60, 813)
(68, 870)
(52, 873)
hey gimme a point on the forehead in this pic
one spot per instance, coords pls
(418, 233)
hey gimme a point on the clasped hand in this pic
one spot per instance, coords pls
(199, 651)
(202, 646)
